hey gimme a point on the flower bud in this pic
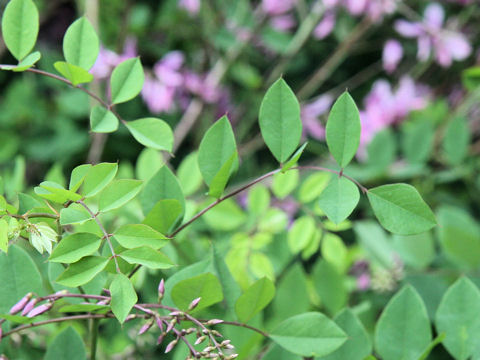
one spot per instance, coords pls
(216, 333)
(145, 327)
(171, 345)
(159, 323)
(200, 339)
(194, 303)
(171, 324)
(160, 338)
(19, 306)
(40, 310)
(30, 305)
(214, 322)
(208, 349)
(161, 290)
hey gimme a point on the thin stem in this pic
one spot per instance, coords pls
(246, 326)
(33, 215)
(56, 320)
(324, 71)
(68, 82)
(106, 235)
(93, 338)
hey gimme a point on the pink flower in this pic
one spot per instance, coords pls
(392, 54)
(277, 7)
(192, 6)
(385, 107)
(283, 22)
(446, 45)
(310, 116)
(325, 26)
(158, 97)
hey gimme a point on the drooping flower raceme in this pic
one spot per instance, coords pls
(446, 45)
(191, 6)
(392, 54)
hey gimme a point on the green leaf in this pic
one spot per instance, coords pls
(81, 272)
(148, 163)
(254, 299)
(339, 199)
(103, 120)
(358, 345)
(74, 214)
(284, 183)
(78, 175)
(258, 200)
(417, 140)
(135, 235)
(75, 74)
(294, 159)
(381, 151)
(456, 141)
(97, 177)
(17, 319)
(126, 81)
(28, 62)
(217, 148)
(438, 340)
(20, 24)
(457, 317)
(279, 120)
(417, 251)
(152, 132)
(3, 235)
(219, 182)
(459, 236)
(164, 215)
(376, 243)
(343, 130)
(313, 186)
(148, 257)
(189, 174)
(124, 297)
(204, 286)
(403, 330)
(18, 277)
(329, 284)
(163, 185)
(226, 216)
(67, 345)
(300, 234)
(118, 193)
(335, 252)
(74, 247)
(400, 209)
(55, 192)
(80, 44)
(102, 309)
(309, 334)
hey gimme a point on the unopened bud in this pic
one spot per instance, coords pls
(190, 330)
(225, 342)
(159, 322)
(208, 349)
(160, 338)
(230, 357)
(161, 290)
(19, 306)
(61, 293)
(39, 310)
(176, 313)
(214, 322)
(216, 333)
(145, 327)
(103, 302)
(171, 324)
(194, 303)
(200, 339)
(171, 345)
(30, 305)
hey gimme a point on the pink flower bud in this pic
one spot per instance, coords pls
(145, 327)
(194, 303)
(171, 325)
(171, 345)
(161, 290)
(160, 338)
(200, 339)
(30, 305)
(40, 310)
(21, 304)
(159, 323)
(214, 322)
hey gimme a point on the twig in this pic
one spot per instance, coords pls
(106, 235)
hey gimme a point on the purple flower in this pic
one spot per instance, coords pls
(325, 26)
(40, 310)
(283, 22)
(107, 59)
(192, 6)
(392, 54)
(446, 45)
(363, 282)
(29, 307)
(384, 107)
(277, 7)
(310, 116)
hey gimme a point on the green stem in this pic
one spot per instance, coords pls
(93, 338)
